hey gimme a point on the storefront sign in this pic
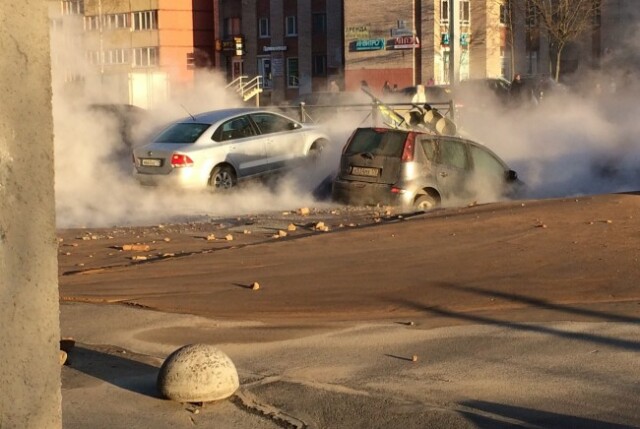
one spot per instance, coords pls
(369, 45)
(399, 32)
(274, 48)
(277, 67)
(357, 32)
(406, 42)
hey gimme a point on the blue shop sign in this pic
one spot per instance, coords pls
(370, 44)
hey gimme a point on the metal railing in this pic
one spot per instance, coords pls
(247, 87)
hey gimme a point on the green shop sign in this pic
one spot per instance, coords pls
(369, 45)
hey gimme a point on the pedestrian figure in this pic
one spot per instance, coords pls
(515, 92)
(386, 88)
(419, 97)
(333, 87)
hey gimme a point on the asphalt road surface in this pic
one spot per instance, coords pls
(519, 314)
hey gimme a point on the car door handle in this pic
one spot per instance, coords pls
(443, 174)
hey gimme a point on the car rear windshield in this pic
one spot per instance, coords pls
(380, 142)
(182, 133)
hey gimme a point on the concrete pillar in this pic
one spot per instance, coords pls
(29, 338)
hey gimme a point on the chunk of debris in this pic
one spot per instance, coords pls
(319, 226)
(63, 357)
(414, 358)
(541, 225)
(304, 211)
(139, 258)
(282, 233)
(166, 239)
(228, 237)
(291, 227)
(255, 286)
(136, 247)
(246, 231)
(609, 221)
(211, 237)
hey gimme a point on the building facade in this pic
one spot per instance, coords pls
(295, 45)
(407, 43)
(139, 50)
(131, 52)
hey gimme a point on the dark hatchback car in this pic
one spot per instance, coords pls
(417, 170)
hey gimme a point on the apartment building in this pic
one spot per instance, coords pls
(619, 31)
(408, 42)
(295, 45)
(132, 51)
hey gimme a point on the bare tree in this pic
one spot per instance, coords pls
(565, 21)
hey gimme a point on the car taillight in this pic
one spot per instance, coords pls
(180, 160)
(407, 152)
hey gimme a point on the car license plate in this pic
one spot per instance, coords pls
(151, 162)
(365, 171)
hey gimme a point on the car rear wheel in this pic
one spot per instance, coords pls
(222, 177)
(424, 203)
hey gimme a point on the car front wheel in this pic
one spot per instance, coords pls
(315, 152)
(222, 177)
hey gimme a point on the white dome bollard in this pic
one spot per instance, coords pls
(197, 373)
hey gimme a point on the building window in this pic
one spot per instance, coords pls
(319, 24)
(292, 73)
(91, 23)
(532, 62)
(231, 27)
(465, 12)
(504, 13)
(116, 20)
(531, 15)
(145, 57)
(444, 11)
(73, 7)
(146, 20)
(291, 27)
(320, 65)
(117, 56)
(505, 64)
(263, 28)
(93, 57)
(111, 21)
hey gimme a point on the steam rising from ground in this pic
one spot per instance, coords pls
(571, 143)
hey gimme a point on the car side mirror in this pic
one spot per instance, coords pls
(293, 126)
(512, 176)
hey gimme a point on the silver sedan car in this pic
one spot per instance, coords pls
(217, 149)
